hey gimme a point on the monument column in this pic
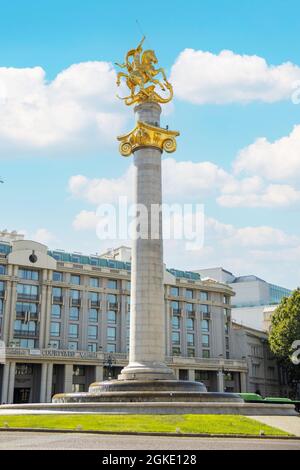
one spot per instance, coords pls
(147, 315)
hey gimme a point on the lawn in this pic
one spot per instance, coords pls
(200, 424)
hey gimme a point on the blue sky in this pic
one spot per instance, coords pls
(261, 237)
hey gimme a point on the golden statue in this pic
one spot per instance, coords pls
(141, 71)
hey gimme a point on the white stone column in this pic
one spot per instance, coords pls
(49, 379)
(68, 379)
(11, 383)
(147, 317)
(220, 376)
(98, 373)
(5, 379)
(243, 378)
(191, 375)
(43, 382)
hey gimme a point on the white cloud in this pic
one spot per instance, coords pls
(278, 160)
(78, 108)
(42, 235)
(85, 220)
(203, 77)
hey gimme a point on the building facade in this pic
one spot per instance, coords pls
(64, 319)
(254, 297)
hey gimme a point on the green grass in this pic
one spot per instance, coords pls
(202, 424)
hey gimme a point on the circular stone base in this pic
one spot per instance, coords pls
(139, 391)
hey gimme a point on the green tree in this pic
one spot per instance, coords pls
(285, 329)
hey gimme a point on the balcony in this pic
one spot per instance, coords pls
(25, 334)
(26, 316)
(75, 302)
(32, 298)
(112, 306)
(95, 303)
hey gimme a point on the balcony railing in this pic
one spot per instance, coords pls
(75, 302)
(112, 306)
(33, 298)
(26, 315)
(57, 299)
(95, 303)
(176, 311)
(26, 334)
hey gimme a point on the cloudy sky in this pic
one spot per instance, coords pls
(235, 68)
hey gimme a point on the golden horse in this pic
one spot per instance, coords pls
(140, 72)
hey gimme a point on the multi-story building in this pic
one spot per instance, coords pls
(254, 298)
(64, 318)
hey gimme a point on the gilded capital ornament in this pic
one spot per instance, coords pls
(145, 135)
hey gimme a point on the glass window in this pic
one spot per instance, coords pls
(189, 307)
(206, 353)
(176, 322)
(54, 329)
(27, 343)
(1, 286)
(74, 294)
(226, 299)
(73, 330)
(56, 291)
(227, 342)
(188, 293)
(111, 348)
(57, 277)
(175, 305)
(72, 345)
(27, 290)
(112, 284)
(176, 337)
(111, 333)
(92, 332)
(174, 291)
(24, 307)
(94, 282)
(111, 316)
(190, 339)
(54, 343)
(74, 313)
(112, 298)
(128, 285)
(205, 325)
(2, 269)
(204, 296)
(92, 347)
(191, 352)
(204, 308)
(94, 296)
(205, 340)
(175, 351)
(93, 315)
(190, 323)
(201, 375)
(28, 274)
(75, 279)
(56, 311)
(1, 308)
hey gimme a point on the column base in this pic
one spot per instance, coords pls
(146, 371)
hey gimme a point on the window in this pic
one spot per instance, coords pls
(176, 351)
(92, 347)
(128, 285)
(57, 294)
(111, 348)
(255, 370)
(226, 327)
(190, 339)
(226, 299)
(189, 307)
(176, 337)
(27, 290)
(188, 293)
(2, 269)
(112, 298)
(75, 294)
(112, 284)
(28, 274)
(204, 296)
(175, 306)
(92, 332)
(72, 345)
(27, 343)
(74, 313)
(79, 371)
(271, 372)
(57, 277)
(111, 333)
(176, 322)
(54, 344)
(93, 315)
(201, 375)
(56, 311)
(1, 287)
(75, 279)
(190, 323)
(205, 325)
(94, 282)
(174, 291)
(204, 308)
(205, 340)
(55, 329)
(94, 298)
(191, 352)
(227, 342)
(25, 307)
(206, 353)
(73, 330)
(111, 316)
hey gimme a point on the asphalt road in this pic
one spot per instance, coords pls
(69, 441)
